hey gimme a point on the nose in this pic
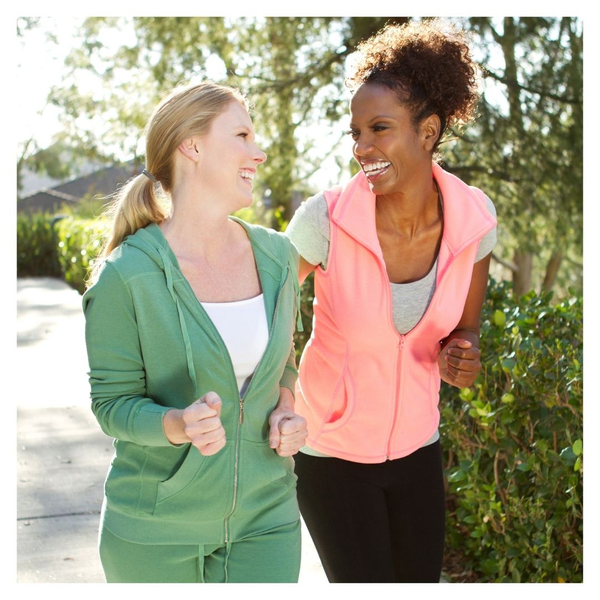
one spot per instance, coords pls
(259, 156)
(362, 146)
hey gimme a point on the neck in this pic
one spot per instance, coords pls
(199, 225)
(409, 211)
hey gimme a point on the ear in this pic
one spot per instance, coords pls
(431, 131)
(189, 148)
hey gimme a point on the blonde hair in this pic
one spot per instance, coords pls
(187, 110)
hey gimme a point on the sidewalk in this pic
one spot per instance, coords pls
(62, 454)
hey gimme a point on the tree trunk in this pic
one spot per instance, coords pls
(552, 270)
(522, 276)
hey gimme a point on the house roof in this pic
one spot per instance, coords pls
(103, 182)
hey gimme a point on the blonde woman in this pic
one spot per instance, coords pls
(189, 325)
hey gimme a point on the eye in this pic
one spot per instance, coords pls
(379, 128)
(353, 133)
(243, 134)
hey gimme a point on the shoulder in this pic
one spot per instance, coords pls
(269, 239)
(486, 200)
(129, 261)
(311, 216)
(490, 206)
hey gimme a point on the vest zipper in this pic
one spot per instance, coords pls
(397, 382)
(241, 417)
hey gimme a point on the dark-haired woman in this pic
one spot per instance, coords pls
(401, 256)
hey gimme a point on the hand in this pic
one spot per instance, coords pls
(202, 424)
(459, 363)
(288, 431)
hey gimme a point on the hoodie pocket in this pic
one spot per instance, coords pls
(187, 473)
(200, 490)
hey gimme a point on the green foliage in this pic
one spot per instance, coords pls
(525, 150)
(58, 246)
(36, 246)
(513, 444)
(79, 242)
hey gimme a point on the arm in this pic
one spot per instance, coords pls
(304, 270)
(116, 369)
(459, 357)
(288, 430)
(118, 378)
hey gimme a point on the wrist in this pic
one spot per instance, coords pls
(286, 399)
(174, 426)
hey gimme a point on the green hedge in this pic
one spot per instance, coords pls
(513, 445)
(50, 246)
(37, 243)
(80, 241)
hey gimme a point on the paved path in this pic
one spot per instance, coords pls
(62, 456)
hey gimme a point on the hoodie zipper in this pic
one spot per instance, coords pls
(241, 414)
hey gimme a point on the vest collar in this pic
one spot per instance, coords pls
(466, 217)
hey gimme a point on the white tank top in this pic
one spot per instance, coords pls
(243, 328)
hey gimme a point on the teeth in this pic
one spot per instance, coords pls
(247, 175)
(375, 166)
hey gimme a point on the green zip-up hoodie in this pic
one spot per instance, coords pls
(152, 347)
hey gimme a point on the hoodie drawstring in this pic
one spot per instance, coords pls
(184, 331)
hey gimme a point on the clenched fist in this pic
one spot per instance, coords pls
(198, 424)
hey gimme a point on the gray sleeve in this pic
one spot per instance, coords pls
(309, 230)
(489, 240)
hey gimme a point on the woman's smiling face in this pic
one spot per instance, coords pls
(390, 149)
(230, 155)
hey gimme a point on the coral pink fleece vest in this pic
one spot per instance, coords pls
(367, 392)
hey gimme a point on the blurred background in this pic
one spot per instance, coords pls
(513, 443)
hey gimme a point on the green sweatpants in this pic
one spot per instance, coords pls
(272, 557)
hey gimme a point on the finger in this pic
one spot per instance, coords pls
(213, 400)
(464, 352)
(465, 378)
(209, 437)
(291, 425)
(202, 426)
(200, 410)
(461, 364)
(213, 448)
(297, 437)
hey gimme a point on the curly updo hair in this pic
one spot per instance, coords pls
(429, 66)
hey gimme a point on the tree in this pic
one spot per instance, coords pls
(527, 150)
(291, 68)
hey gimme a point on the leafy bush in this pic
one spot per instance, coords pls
(513, 445)
(37, 246)
(57, 246)
(79, 242)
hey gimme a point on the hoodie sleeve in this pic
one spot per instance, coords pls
(116, 369)
(290, 373)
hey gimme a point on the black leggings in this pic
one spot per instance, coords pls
(375, 523)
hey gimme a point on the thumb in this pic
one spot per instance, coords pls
(463, 344)
(214, 401)
(274, 435)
